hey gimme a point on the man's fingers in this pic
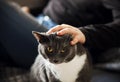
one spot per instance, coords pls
(58, 28)
(77, 39)
(55, 29)
(65, 31)
(78, 36)
(74, 41)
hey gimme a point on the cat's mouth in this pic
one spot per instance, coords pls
(55, 61)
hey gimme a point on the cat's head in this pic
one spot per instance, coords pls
(57, 49)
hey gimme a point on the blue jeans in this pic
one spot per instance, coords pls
(16, 37)
(46, 21)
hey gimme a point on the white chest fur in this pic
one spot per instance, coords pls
(68, 72)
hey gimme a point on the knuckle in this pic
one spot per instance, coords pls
(63, 24)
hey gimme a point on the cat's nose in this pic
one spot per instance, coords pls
(55, 61)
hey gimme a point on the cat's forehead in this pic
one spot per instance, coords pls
(65, 37)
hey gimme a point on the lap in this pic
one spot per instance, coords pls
(105, 76)
(16, 33)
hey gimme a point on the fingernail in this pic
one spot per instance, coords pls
(58, 33)
(48, 32)
(72, 43)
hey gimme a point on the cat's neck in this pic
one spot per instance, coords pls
(63, 70)
(71, 68)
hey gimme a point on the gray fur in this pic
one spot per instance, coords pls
(61, 52)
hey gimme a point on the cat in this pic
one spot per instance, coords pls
(59, 61)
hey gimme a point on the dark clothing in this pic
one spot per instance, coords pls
(16, 39)
(78, 12)
(105, 35)
(101, 16)
(16, 26)
(102, 37)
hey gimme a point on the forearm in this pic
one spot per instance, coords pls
(102, 36)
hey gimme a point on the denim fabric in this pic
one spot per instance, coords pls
(46, 21)
(16, 34)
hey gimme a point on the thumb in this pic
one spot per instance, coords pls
(74, 41)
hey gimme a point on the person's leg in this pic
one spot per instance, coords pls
(16, 33)
(107, 66)
(46, 21)
(105, 76)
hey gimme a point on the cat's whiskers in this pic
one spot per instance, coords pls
(54, 65)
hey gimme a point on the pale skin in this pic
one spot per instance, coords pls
(62, 29)
(25, 9)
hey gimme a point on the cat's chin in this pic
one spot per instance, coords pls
(55, 62)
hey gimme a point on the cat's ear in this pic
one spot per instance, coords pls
(41, 37)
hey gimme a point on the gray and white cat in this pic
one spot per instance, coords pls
(58, 61)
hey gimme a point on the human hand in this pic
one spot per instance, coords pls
(25, 9)
(78, 36)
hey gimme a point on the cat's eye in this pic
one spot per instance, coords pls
(49, 49)
(62, 51)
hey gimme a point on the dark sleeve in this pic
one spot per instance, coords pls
(104, 36)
